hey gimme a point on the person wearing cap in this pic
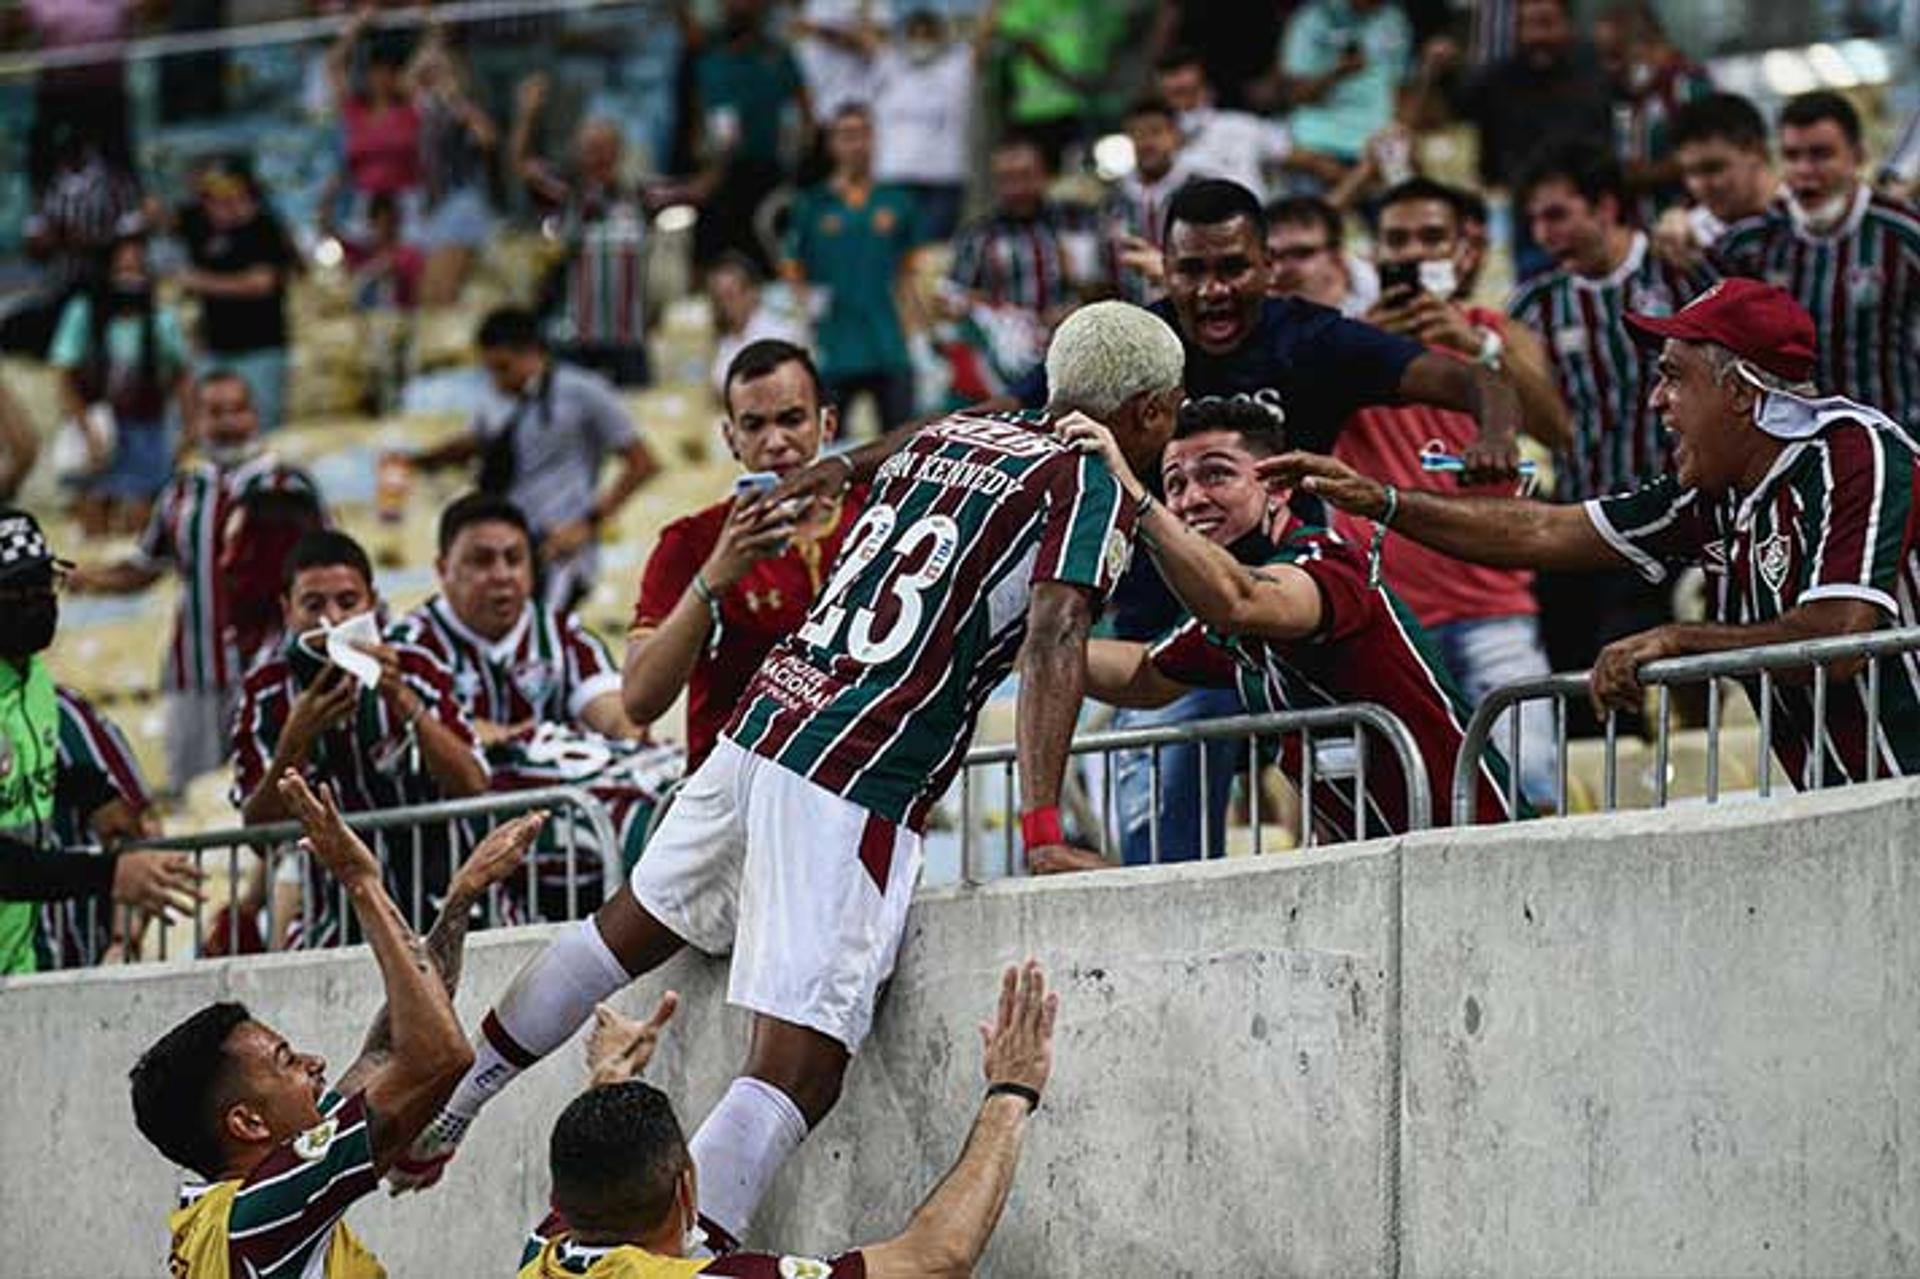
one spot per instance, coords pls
(1800, 509)
(33, 869)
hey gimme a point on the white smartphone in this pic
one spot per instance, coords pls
(754, 482)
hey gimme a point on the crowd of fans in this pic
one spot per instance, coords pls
(862, 276)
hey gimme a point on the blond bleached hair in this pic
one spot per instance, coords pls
(1106, 353)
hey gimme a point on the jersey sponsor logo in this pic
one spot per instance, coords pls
(1775, 557)
(804, 1268)
(1713, 558)
(313, 1143)
(768, 599)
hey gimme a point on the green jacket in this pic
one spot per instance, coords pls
(29, 767)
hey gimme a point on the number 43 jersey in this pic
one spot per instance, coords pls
(875, 696)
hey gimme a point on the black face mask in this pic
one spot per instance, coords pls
(27, 624)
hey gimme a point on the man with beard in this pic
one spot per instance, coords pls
(1847, 254)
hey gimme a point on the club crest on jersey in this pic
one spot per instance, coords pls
(1863, 286)
(313, 1143)
(535, 680)
(1119, 554)
(804, 1268)
(1775, 557)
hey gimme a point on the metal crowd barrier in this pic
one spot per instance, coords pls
(1352, 724)
(1663, 676)
(408, 842)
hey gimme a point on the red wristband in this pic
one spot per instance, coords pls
(1041, 826)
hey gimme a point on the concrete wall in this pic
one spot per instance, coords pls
(1678, 1044)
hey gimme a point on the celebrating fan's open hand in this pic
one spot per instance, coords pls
(497, 856)
(343, 853)
(1019, 1044)
(618, 1047)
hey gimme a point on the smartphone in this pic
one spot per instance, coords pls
(1399, 278)
(754, 482)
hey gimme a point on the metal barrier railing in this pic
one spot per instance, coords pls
(1353, 724)
(413, 844)
(1760, 665)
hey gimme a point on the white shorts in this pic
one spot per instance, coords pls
(808, 890)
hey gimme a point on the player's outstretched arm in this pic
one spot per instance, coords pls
(951, 1229)
(1226, 595)
(1501, 532)
(493, 861)
(430, 1053)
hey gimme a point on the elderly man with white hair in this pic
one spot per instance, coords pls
(988, 544)
(1800, 508)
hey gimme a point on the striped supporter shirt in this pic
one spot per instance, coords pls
(546, 669)
(1833, 519)
(545, 672)
(1605, 376)
(283, 1220)
(875, 697)
(1137, 207)
(368, 761)
(1026, 262)
(1369, 649)
(550, 1254)
(187, 532)
(1861, 284)
(1643, 124)
(92, 746)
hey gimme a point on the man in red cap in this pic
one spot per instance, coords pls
(1800, 509)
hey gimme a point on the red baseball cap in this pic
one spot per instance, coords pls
(1760, 323)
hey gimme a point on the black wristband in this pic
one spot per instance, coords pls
(1029, 1095)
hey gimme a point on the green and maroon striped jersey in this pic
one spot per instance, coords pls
(1834, 519)
(1861, 284)
(875, 697)
(1606, 378)
(187, 532)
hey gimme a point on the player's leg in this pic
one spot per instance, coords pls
(792, 1079)
(682, 891)
(823, 905)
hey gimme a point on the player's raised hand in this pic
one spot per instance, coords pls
(1324, 477)
(1019, 1042)
(618, 1047)
(498, 856)
(813, 485)
(343, 853)
(1094, 437)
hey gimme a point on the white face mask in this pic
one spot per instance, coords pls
(1820, 218)
(1440, 279)
(232, 454)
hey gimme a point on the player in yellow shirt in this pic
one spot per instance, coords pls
(285, 1156)
(626, 1200)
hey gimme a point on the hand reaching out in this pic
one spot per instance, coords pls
(328, 838)
(618, 1047)
(498, 856)
(1019, 1043)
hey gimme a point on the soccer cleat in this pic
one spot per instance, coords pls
(426, 1159)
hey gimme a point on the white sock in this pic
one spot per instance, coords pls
(549, 999)
(739, 1149)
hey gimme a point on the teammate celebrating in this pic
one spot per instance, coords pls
(626, 1195)
(226, 1096)
(986, 541)
(1300, 626)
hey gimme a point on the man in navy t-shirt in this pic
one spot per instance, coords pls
(1308, 360)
